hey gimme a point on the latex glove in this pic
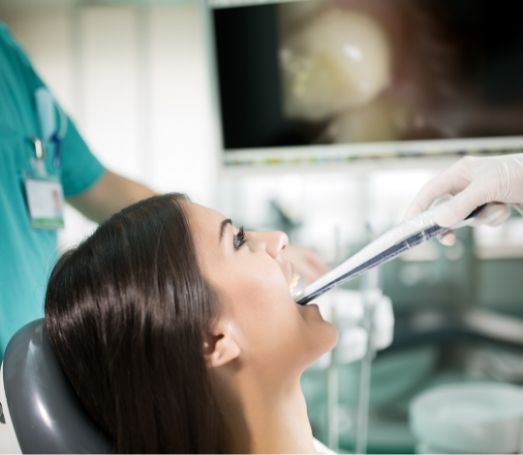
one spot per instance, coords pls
(307, 263)
(473, 181)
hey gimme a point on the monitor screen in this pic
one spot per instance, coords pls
(318, 72)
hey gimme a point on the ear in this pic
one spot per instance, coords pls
(221, 347)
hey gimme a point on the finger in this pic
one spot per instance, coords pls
(306, 273)
(308, 270)
(451, 181)
(317, 263)
(448, 239)
(494, 214)
(461, 205)
(307, 263)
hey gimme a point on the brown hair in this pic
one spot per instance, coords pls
(127, 313)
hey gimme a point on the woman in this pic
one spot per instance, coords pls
(179, 333)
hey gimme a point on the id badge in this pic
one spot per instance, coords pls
(45, 200)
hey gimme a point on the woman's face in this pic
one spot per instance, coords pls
(252, 279)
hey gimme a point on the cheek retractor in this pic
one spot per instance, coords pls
(388, 246)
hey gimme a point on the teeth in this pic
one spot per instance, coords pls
(293, 282)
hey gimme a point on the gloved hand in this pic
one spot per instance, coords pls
(307, 263)
(473, 181)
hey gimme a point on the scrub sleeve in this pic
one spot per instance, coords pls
(27, 255)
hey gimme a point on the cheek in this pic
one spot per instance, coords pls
(258, 300)
(258, 304)
(254, 279)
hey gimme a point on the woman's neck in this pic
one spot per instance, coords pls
(266, 419)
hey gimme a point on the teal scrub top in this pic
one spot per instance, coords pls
(27, 255)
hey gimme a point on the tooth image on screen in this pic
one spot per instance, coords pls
(338, 60)
(379, 120)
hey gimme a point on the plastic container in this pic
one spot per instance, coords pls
(468, 418)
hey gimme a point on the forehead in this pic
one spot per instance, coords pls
(200, 213)
(204, 222)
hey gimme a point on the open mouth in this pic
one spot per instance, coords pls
(293, 282)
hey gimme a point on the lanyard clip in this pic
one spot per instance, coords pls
(39, 163)
(39, 148)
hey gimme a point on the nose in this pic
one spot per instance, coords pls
(273, 242)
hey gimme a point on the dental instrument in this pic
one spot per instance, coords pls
(390, 245)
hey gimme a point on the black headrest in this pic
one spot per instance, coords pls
(46, 413)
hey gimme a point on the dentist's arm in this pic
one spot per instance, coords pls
(110, 194)
(472, 182)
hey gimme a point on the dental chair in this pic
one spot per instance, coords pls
(39, 410)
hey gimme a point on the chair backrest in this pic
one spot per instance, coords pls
(46, 414)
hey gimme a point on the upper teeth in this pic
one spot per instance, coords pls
(293, 282)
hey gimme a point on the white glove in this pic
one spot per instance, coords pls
(474, 181)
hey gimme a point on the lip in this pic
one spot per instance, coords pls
(316, 313)
(310, 312)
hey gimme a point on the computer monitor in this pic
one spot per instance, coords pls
(338, 80)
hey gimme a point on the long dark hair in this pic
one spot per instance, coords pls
(127, 313)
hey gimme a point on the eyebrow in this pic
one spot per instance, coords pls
(223, 225)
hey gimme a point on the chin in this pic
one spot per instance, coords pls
(324, 340)
(331, 336)
(323, 330)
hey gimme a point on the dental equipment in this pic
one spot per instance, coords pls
(390, 245)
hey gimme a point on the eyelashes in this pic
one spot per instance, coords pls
(239, 239)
